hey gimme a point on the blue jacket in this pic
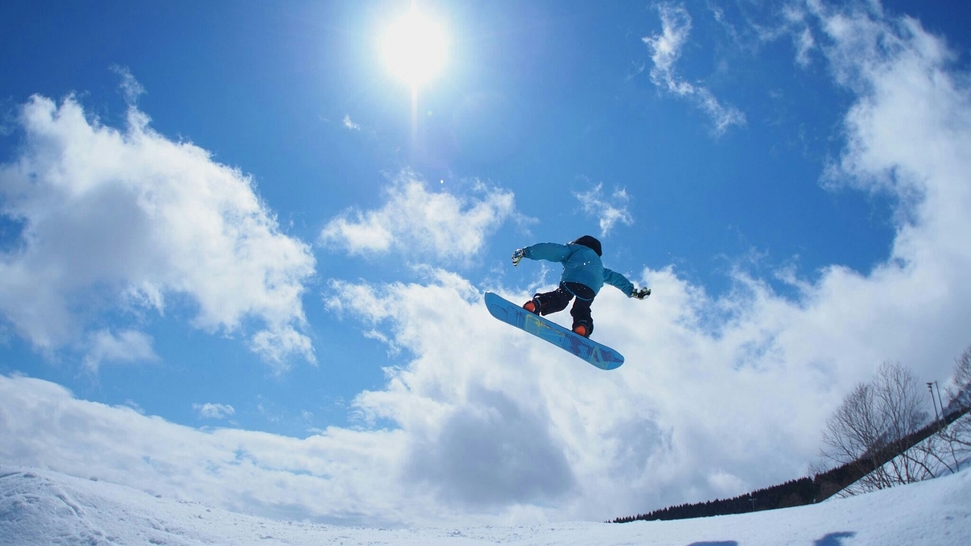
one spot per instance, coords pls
(580, 265)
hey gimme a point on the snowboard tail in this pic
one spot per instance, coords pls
(595, 353)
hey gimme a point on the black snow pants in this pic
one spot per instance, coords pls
(557, 300)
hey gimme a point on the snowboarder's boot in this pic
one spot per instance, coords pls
(583, 329)
(532, 306)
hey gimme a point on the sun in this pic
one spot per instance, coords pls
(414, 48)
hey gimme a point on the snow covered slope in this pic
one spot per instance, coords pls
(40, 507)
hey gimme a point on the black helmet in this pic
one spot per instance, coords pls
(589, 242)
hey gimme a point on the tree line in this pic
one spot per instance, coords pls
(880, 436)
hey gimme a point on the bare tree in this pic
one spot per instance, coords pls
(959, 392)
(903, 401)
(853, 430)
(952, 445)
(871, 425)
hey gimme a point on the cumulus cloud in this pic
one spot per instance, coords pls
(608, 209)
(214, 411)
(666, 50)
(422, 223)
(491, 451)
(123, 220)
(330, 477)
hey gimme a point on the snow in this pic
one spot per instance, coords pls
(46, 507)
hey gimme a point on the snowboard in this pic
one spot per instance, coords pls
(599, 355)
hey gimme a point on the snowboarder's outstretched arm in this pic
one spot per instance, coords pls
(618, 281)
(621, 283)
(552, 252)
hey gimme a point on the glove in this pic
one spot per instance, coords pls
(641, 294)
(518, 256)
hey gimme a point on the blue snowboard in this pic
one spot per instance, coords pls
(599, 355)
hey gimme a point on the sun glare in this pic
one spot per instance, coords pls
(414, 48)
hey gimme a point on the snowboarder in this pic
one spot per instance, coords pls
(583, 276)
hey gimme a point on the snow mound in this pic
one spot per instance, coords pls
(41, 507)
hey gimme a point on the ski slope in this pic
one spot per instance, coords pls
(41, 507)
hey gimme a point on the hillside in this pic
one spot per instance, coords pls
(41, 507)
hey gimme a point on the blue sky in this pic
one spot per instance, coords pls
(221, 224)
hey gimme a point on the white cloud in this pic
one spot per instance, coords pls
(804, 43)
(608, 209)
(127, 346)
(666, 50)
(123, 219)
(214, 411)
(796, 25)
(350, 124)
(129, 85)
(422, 223)
(339, 476)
